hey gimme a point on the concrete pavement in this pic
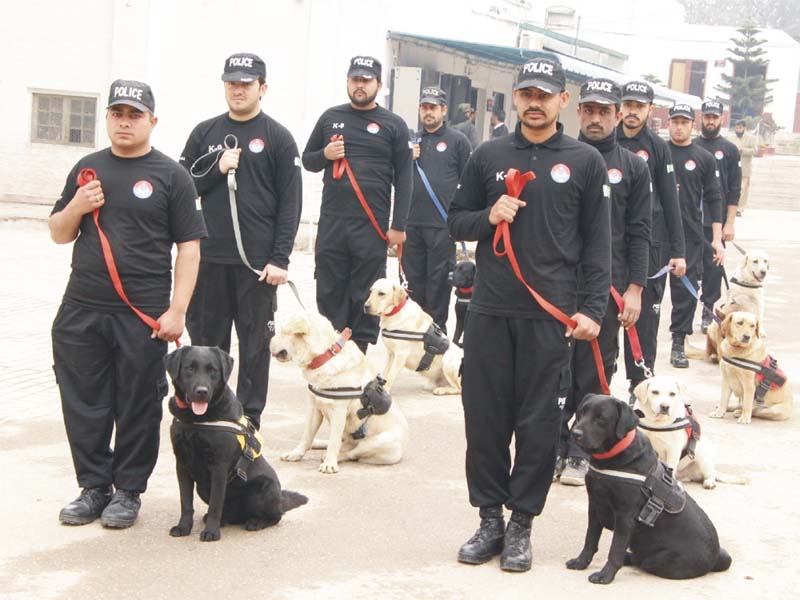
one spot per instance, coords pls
(384, 532)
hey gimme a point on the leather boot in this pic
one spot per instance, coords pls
(517, 555)
(86, 507)
(122, 511)
(488, 539)
(677, 357)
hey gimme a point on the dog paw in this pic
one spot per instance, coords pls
(743, 419)
(180, 530)
(710, 483)
(208, 535)
(291, 456)
(717, 413)
(329, 468)
(577, 564)
(737, 412)
(602, 576)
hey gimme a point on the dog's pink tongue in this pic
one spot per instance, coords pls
(199, 408)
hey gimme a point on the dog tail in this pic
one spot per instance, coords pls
(728, 478)
(290, 500)
(693, 351)
(724, 561)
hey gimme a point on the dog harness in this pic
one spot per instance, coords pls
(689, 423)
(434, 341)
(752, 286)
(768, 375)
(375, 400)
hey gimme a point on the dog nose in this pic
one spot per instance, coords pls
(201, 391)
(664, 408)
(746, 337)
(366, 308)
(577, 433)
(282, 355)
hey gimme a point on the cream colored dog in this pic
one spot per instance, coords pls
(307, 336)
(748, 281)
(385, 298)
(741, 340)
(669, 427)
(743, 303)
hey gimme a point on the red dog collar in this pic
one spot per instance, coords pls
(617, 448)
(397, 308)
(337, 347)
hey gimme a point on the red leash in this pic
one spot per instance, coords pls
(515, 182)
(633, 337)
(84, 177)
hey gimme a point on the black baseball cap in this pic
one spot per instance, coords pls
(244, 67)
(365, 66)
(711, 107)
(600, 90)
(433, 95)
(638, 91)
(542, 73)
(681, 110)
(133, 93)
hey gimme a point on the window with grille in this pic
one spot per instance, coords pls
(63, 119)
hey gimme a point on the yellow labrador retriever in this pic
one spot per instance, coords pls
(339, 378)
(404, 327)
(743, 303)
(750, 373)
(675, 433)
(748, 281)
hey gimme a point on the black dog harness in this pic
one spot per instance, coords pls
(246, 434)
(689, 423)
(659, 487)
(768, 375)
(375, 400)
(434, 341)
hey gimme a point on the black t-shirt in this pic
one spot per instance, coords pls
(729, 166)
(565, 225)
(667, 226)
(443, 155)
(698, 187)
(150, 203)
(269, 192)
(376, 146)
(631, 213)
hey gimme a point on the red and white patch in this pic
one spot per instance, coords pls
(256, 145)
(143, 189)
(690, 165)
(643, 154)
(373, 128)
(441, 146)
(614, 175)
(560, 173)
(719, 155)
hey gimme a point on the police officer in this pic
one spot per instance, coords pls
(514, 351)
(631, 209)
(429, 253)
(497, 122)
(268, 200)
(667, 245)
(729, 167)
(108, 363)
(350, 252)
(699, 191)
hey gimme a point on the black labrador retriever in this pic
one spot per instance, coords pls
(632, 493)
(209, 436)
(462, 278)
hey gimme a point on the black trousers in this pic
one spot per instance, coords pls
(712, 273)
(232, 295)
(684, 304)
(110, 373)
(512, 371)
(429, 255)
(647, 325)
(349, 257)
(585, 379)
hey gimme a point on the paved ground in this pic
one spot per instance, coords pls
(384, 532)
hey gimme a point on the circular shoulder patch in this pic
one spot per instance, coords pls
(719, 155)
(256, 145)
(643, 154)
(690, 165)
(142, 189)
(441, 146)
(560, 173)
(614, 175)
(373, 128)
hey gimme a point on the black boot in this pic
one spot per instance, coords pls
(488, 539)
(86, 507)
(677, 357)
(517, 554)
(707, 318)
(363, 347)
(122, 511)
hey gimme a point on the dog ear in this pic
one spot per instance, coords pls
(172, 362)
(296, 326)
(758, 327)
(627, 419)
(225, 361)
(726, 325)
(399, 294)
(641, 390)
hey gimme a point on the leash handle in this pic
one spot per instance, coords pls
(633, 337)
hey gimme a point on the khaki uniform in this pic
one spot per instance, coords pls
(747, 149)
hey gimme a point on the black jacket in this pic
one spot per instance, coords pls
(698, 187)
(729, 166)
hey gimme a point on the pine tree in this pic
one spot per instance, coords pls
(746, 91)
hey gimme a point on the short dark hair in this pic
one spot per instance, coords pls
(741, 122)
(499, 113)
(261, 80)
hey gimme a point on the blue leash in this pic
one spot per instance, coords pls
(688, 285)
(435, 200)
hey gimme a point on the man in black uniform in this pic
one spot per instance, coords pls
(350, 252)
(108, 363)
(514, 351)
(429, 253)
(667, 243)
(268, 202)
(698, 189)
(631, 209)
(729, 166)
(497, 121)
